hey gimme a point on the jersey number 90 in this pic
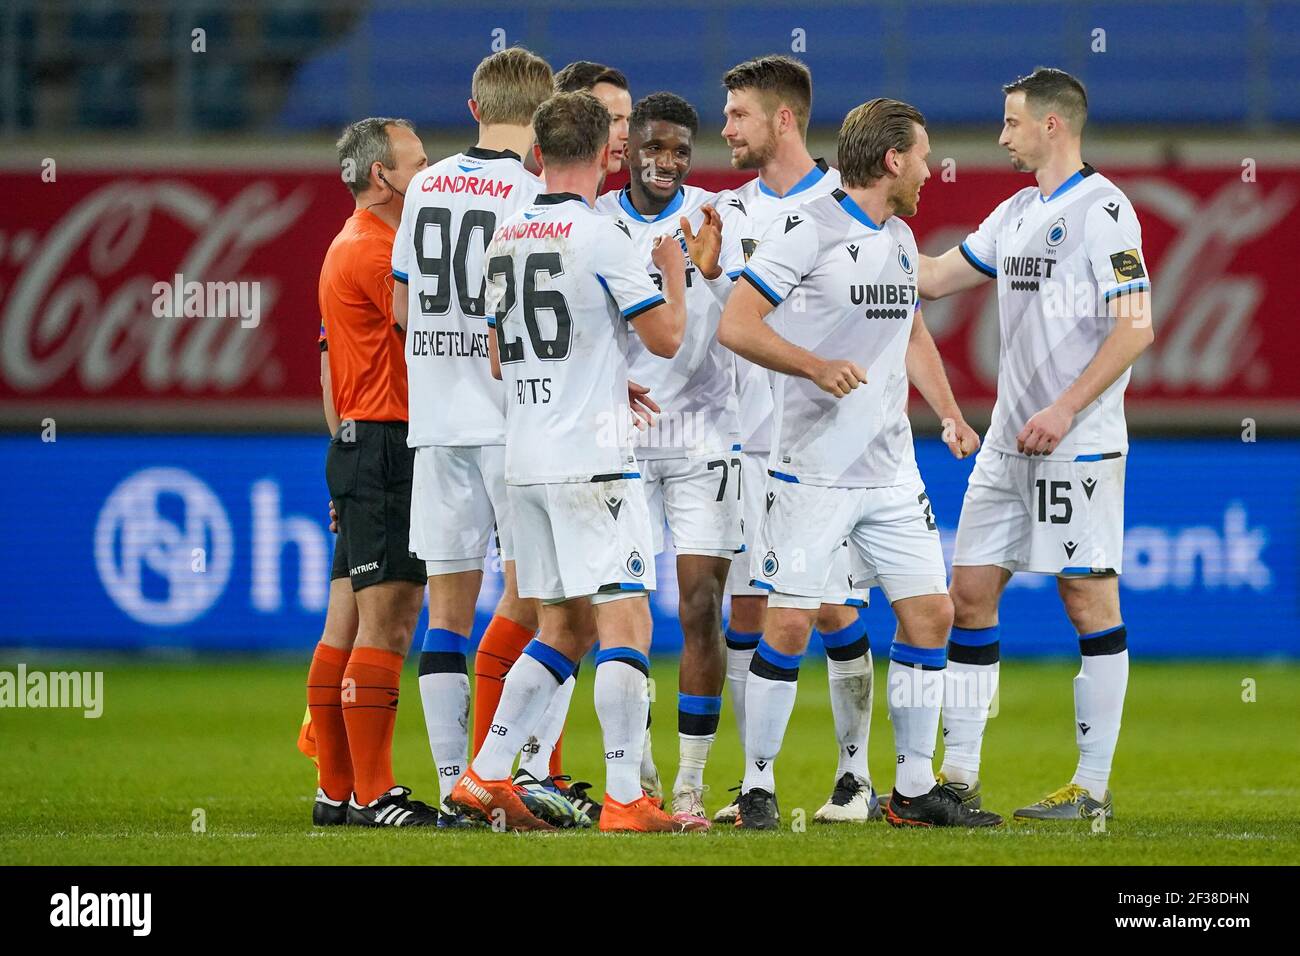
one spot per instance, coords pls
(447, 265)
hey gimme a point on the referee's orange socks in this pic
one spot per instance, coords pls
(324, 692)
(369, 699)
(502, 643)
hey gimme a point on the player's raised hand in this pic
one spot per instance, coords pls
(705, 247)
(961, 439)
(667, 257)
(643, 407)
(839, 377)
(1044, 431)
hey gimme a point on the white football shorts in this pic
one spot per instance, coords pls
(700, 500)
(893, 542)
(1049, 517)
(458, 494)
(581, 539)
(840, 587)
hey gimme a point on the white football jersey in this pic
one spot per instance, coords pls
(1058, 262)
(696, 389)
(452, 209)
(563, 283)
(762, 206)
(844, 288)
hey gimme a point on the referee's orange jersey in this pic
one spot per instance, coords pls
(367, 364)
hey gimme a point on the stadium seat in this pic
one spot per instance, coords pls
(291, 29)
(220, 101)
(108, 96)
(24, 38)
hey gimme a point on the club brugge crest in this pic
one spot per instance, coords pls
(635, 564)
(770, 564)
(904, 260)
(1056, 233)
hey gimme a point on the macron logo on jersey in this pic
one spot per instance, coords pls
(477, 185)
(533, 230)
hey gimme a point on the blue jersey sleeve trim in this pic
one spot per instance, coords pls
(644, 306)
(401, 276)
(763, 288)
(1136, 286)
(975, 261)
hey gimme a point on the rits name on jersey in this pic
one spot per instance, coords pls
(533, 230)
(454, 343)
(476, 185)
(532, 391)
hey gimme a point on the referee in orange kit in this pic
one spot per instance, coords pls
(352, 687)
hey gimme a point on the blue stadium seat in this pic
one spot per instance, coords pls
(25, 44)
(220, 101)
(1201, 59)
(1282, 41)
(292, 28)
(108, 96)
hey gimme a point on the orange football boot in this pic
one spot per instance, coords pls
(487, 799)
(642, 815)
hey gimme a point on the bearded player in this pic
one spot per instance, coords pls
(769, 100)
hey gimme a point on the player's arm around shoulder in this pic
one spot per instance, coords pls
(951, 272)
(966, 265)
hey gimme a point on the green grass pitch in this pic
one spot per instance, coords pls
(1201, 776)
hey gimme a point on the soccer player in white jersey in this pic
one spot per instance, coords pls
(564, 284)
(835, 281)
(457, 408)
(768, 103)
(1047, 492)
(503, 642)
(610, 87)
(689, 458)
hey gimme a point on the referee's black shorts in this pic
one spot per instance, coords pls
(369, 479)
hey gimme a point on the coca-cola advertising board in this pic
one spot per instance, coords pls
(87, 332)
(81, 260)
